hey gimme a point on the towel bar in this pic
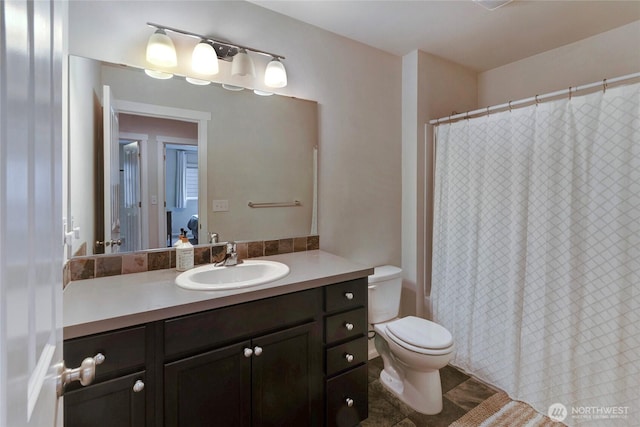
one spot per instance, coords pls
(274, 204)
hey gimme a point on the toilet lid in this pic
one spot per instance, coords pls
(420, 333)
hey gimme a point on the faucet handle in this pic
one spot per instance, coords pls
(231, 247)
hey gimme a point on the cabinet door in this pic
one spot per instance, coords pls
(111, 403)
(210, 389)
(287, 377)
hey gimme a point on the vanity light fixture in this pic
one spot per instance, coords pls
(204, 59)
(206, 53)
(242, 64)
(160, 50)
(275, 75)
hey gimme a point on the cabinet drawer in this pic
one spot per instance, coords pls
(345, 325)
(124, 351)
(200, 331)
(346, 295)
(347, 355)
(347, 403)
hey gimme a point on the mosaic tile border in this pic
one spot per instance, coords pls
(91, 267)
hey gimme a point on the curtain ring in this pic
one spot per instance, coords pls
(604, 85)
(509, 105)
(570, 93)
(487, 110)
(537, 101)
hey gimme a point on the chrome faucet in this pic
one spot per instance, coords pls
(213, 238)
(231, 257)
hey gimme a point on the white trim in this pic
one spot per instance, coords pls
(199, 117)
(142, 109)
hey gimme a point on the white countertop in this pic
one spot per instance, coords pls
(107, 303)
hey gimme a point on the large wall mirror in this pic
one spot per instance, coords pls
(149, 158)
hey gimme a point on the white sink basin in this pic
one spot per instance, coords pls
(248, 273)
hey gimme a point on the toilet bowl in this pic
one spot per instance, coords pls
(412, 349)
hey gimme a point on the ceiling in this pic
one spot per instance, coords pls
(461, 30)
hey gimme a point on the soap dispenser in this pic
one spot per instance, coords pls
(184, 254)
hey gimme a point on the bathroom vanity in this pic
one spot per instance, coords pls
(289, 352)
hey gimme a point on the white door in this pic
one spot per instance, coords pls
(31, 244)
(111, 161)
(130, 202)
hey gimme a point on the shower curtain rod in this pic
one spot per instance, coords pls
(536, 99)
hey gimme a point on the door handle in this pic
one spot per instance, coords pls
(85, 373)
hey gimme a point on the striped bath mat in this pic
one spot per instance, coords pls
(500, 411)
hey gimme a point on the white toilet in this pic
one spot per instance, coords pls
(412, 349)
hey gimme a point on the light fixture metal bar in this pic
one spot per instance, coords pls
(212, 40)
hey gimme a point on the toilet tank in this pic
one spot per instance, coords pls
(385, 286)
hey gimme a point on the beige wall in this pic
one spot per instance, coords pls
(357, 87)
(432, 87)
(610, 54)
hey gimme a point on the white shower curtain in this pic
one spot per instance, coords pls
(181, 179)
(536, 259)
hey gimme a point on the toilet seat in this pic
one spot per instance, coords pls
(420, 335)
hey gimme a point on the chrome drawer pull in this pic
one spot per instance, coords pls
(138, 386)
(349, 326)
(248, 352)
(348, 295)
(349, 401)
(257, 351)
(349, 357)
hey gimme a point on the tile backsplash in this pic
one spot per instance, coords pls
(90, 267)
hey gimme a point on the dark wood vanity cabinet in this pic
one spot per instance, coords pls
(270, 380)
(279, 361)
(119, 394)
(346, 353)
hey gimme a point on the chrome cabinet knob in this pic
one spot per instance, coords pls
(349, 357)
(349, 401)
(348, 295)
(248, 352)
(257, 350)
(99, 358)
(138, 386)
(349, 326)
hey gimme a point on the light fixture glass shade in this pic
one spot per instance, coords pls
(198, 82)
(158, 74)
(275, 75)
(160, 50)
(242, 64)
(204, 59)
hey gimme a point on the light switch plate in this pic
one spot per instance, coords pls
(220, 205)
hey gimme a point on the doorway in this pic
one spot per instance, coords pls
(180, 190)
(158, 132)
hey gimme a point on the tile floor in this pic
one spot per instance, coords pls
(461, 393)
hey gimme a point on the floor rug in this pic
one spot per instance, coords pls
(500, 411)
